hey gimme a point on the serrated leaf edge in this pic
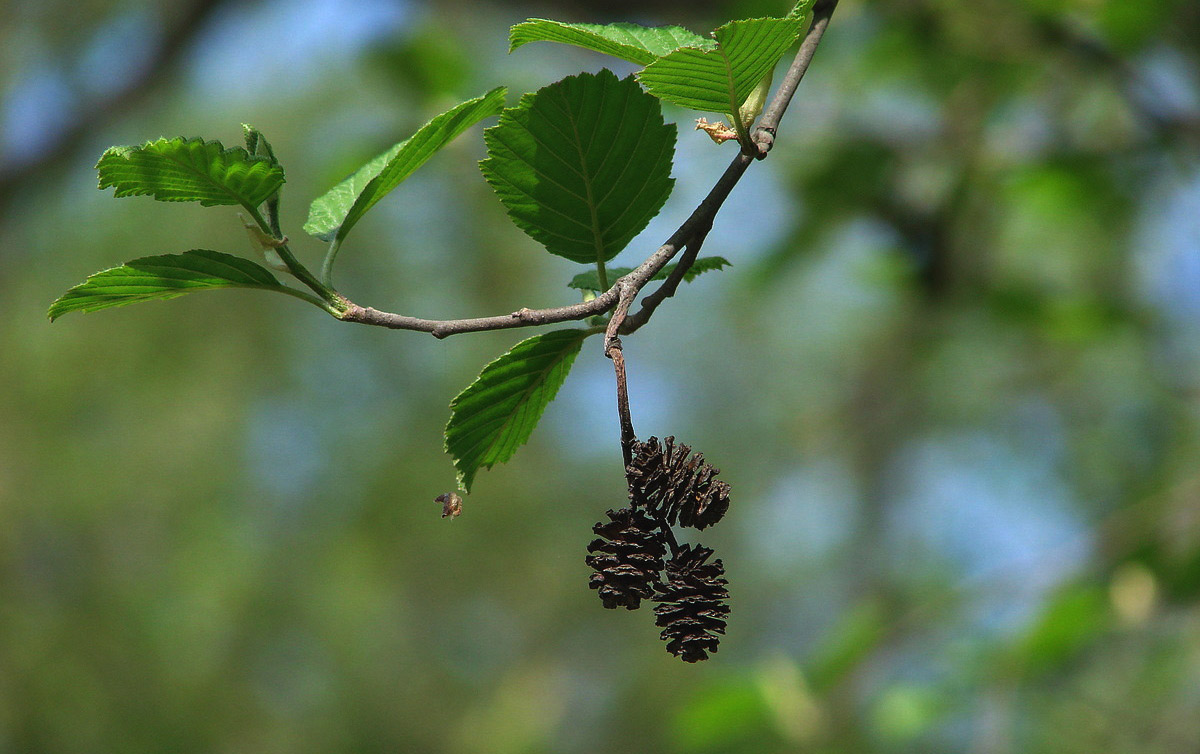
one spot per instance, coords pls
(123, 151)
(466, 478)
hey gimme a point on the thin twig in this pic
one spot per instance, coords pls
(612, 349)
(696, 226)
(668, 287)
(767, 125)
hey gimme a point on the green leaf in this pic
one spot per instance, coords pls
(637, 44)
(333, 215)
(802, 9)
(190, 170)
(720, 80)
(582, 164)
(590, 280)
(257, 144)
(163, 277)
(498, 411)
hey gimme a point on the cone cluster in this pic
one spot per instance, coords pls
(668, 486)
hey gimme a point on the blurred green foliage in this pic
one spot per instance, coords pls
(951, 376)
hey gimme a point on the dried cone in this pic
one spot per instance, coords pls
(692, 604)
(628, 558)
(672, 486)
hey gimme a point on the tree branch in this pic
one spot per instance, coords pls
(625, 289)
(764, 135)
(668, 287)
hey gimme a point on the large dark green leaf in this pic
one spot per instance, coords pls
(332, 215)
(719, 80)
(496, 414)
(190, 170)
(590, 280)
(583, 164)
(637, 44)
(163, 277)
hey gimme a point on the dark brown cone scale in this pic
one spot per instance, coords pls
(692, 604)
(628, 558)
(674, 487)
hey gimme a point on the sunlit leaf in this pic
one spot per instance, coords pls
(496, 414)
(257, 144)
(582, 164)
(637, 44)
(590, 280)
(190, 170)
(719, 80)
(332, 215)
(162, 277)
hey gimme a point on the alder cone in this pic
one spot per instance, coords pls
(692, 604)
(680, 489)
(628, 558)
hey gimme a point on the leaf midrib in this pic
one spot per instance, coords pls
(225, 168)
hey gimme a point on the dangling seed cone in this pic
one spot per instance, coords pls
(692, 604)
(628, 558)
(672, 486)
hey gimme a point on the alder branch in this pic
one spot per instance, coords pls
(691, 234)
(764, 137)
(668, 287)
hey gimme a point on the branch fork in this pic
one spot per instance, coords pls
(690, 234)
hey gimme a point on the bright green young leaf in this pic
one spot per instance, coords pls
(637, 44)
(190, 170)
(590, 280)
(163, 277)
(802, 9)
(333, 215)
(582, 164)
(720, 80)
(257, 144)
(498, 411)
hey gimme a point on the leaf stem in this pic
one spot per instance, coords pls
(601, 274)
(306, 296)
(735, 116)
(331, 301)
(327, 265)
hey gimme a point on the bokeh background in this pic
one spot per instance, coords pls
(952, 377)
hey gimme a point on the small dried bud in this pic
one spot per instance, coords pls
(718, 132)
(451, 504)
